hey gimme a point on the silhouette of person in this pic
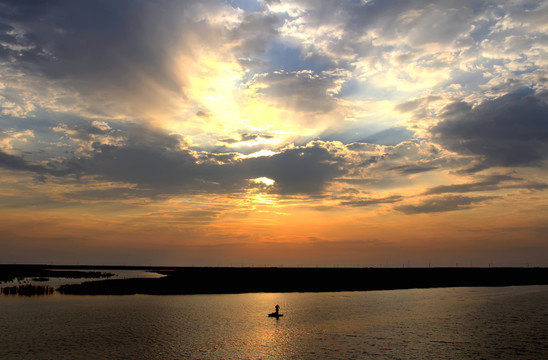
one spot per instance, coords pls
(277, 309)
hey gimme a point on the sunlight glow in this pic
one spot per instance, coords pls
(257, 154)
(264, 180)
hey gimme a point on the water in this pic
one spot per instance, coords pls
(57, 281)
(448, 323)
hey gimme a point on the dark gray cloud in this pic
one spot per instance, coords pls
(299, 170)
(13, 162)
(247, 137)
(413, 169)
(147, 166)
(255, 33)
(493, 182)
(80, 38)
(373, 201)
(157, 164)
(489, 183)
(442, 204)
(118, 54)
(300, 90)
(511, 130)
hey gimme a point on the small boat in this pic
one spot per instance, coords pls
(276, 315)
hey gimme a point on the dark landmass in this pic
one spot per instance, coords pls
(232, 280)
(217, 280)
(43, 272)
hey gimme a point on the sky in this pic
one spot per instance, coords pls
(274, 133)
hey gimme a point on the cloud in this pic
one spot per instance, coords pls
(442, 204)
(156, 162)
(262, 77)
(307, 169)
(511, 130)
(304, 170)
(84, 131)
(422, 45)
(413, 169)
(254, 34)
(373, 201)
(17, 163)
(302, 90)
(492, 182)
(113, 58)
(13, 162)
(412, 157)
(247, 137)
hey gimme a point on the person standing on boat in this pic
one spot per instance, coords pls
(277, 307)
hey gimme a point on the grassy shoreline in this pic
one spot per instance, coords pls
(10, 272)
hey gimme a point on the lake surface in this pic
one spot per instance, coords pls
(447, 323)
(57, 281)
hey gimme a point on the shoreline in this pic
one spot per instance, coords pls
(232, 280)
